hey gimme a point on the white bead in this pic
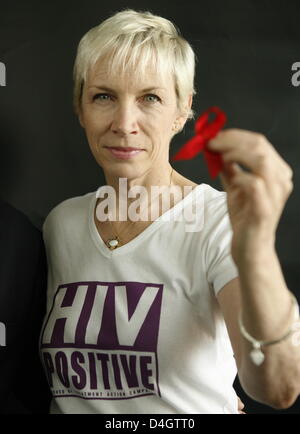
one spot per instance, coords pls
(257, 356)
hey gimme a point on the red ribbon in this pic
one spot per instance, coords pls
(205, 131)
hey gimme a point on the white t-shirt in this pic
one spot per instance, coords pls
(138, 329)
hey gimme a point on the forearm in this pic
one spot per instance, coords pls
(267, 315)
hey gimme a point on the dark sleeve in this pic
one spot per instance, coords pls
(32, 390)
(23, 277)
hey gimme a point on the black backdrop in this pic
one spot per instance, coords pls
(245, 52)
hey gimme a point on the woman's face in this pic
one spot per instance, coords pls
(123, 111)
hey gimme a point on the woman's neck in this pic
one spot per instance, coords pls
(156, 197)
(159, 178)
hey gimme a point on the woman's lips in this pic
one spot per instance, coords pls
(124, 153)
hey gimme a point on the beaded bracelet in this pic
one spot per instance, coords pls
(256, 354)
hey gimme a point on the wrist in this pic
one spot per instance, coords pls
(256, 353)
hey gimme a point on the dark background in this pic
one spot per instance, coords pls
(245, 51)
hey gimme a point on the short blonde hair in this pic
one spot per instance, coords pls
(133, 40)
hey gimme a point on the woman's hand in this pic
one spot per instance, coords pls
(241, 406)
(256, 198)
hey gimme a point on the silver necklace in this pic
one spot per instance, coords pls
(115, 241)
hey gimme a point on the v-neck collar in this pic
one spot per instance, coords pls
(166, 216)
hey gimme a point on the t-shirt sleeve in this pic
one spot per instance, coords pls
(220, 265)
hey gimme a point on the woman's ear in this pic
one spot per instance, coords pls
(80, 118)
(190, 101)
(184, 116)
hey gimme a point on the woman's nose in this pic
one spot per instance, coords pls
(125, 120)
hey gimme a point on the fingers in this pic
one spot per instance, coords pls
(255, 152)
(237, 181)
(241, 406)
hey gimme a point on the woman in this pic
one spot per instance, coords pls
(143, 314)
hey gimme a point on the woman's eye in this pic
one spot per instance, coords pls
(152, 98)
(101, 97)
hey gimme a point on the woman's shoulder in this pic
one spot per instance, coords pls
(211, 196)
(211, 201)
(214, 204)
(69, 208)
(209, 206)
